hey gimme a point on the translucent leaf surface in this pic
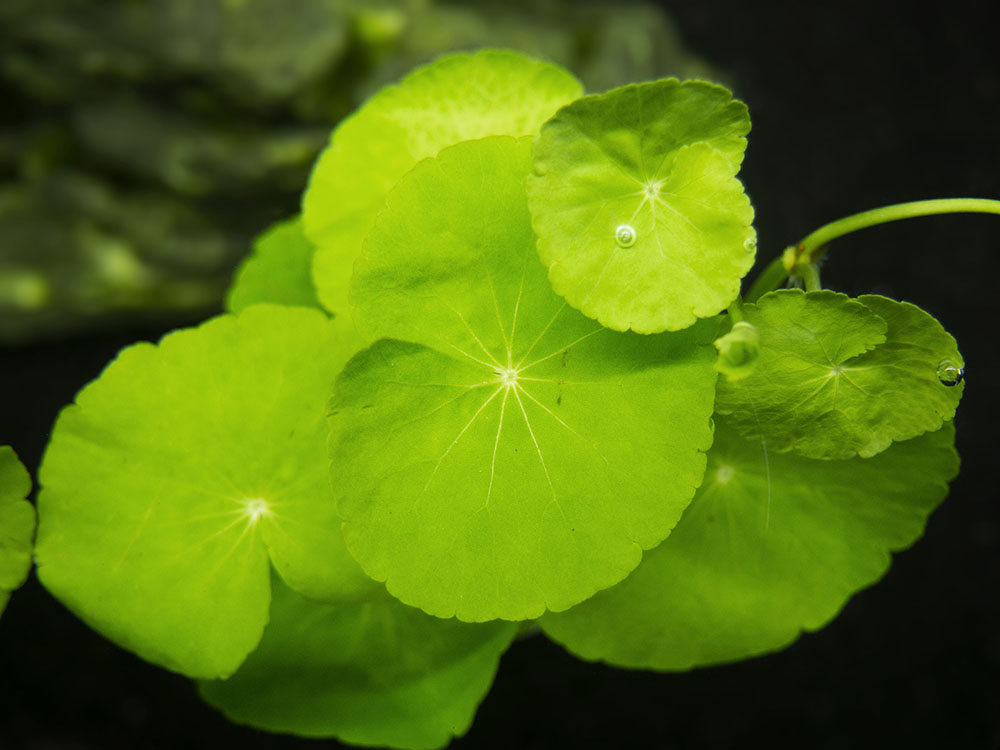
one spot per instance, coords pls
(509, 455)
(181, 471)
(838, 377)
(376, 673)
(763, 552)
(278, 271)
(459, 97)
(17, 524)
(639, 215)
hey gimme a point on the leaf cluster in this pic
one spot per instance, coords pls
(539, 411)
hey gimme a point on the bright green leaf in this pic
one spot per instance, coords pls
(509, 455)
(738, 351)
(17, 524)
(639, 215)
(376, 673)
(839, 377)
(459, 97)
(279, 270)
(766, 549)
(178, 473)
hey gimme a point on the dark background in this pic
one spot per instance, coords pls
(854, 106)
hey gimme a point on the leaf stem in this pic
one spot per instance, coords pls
(810, 275)
(797, 258)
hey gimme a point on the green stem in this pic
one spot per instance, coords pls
(736, 310)
(817, 240)
(810, 275)
(813, 245)
(770, 278)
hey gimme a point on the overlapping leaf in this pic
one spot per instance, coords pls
(374, 673)
(838, 377)
(457, 98)
(766, 549)
(17, 524)
(184, 469)
(639, 215)
(508, 455)
(279, 270)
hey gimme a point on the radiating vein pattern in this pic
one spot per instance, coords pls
(495, 453)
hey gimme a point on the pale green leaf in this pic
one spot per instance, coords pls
(279, 270)
(639, 215)
(738, 351)
(459, 97)
(839, 377)
(375, 673)
(509, 455)
(770, 546)
(17, 524)
(181, 471)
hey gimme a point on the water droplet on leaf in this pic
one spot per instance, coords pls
(625, 235)
(949, 373)
(750, 243)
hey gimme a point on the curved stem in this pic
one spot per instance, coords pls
(796, 258)
(815, 241)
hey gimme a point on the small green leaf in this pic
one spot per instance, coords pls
(639, 215)
(181, 471)
(839, 377)
(738, 351)
(278, 271)
(17, 524)
(770, 546)
(456, 98)
(375, 673)
(508, 455)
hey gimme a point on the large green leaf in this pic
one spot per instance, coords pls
(768, 548)
(279, 270)
(17, 524)
(375, 673)
(838, 377)
(181, 471)
(639, 215)
(508, 455)
(459, 97)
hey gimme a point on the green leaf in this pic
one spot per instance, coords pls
(279, 270)
(509, 455)
(738, 351)
(181, 471)
(375, 673)
(459, 97)
(839, 377)
(639, 215)
(766, 549)
(17, 524)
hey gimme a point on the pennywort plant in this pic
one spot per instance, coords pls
(499, 372)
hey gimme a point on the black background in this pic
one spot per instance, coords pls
(854, 106)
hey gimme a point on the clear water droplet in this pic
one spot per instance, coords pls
(949, 373)
(750, 243)
(625, 235)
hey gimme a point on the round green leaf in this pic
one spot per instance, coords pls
(456, 98)
(838, 377)
(17, 524)
(279, 270)
(375, 673)
(770, 546)
(178, 473)
(639, 215)
(508, 455)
